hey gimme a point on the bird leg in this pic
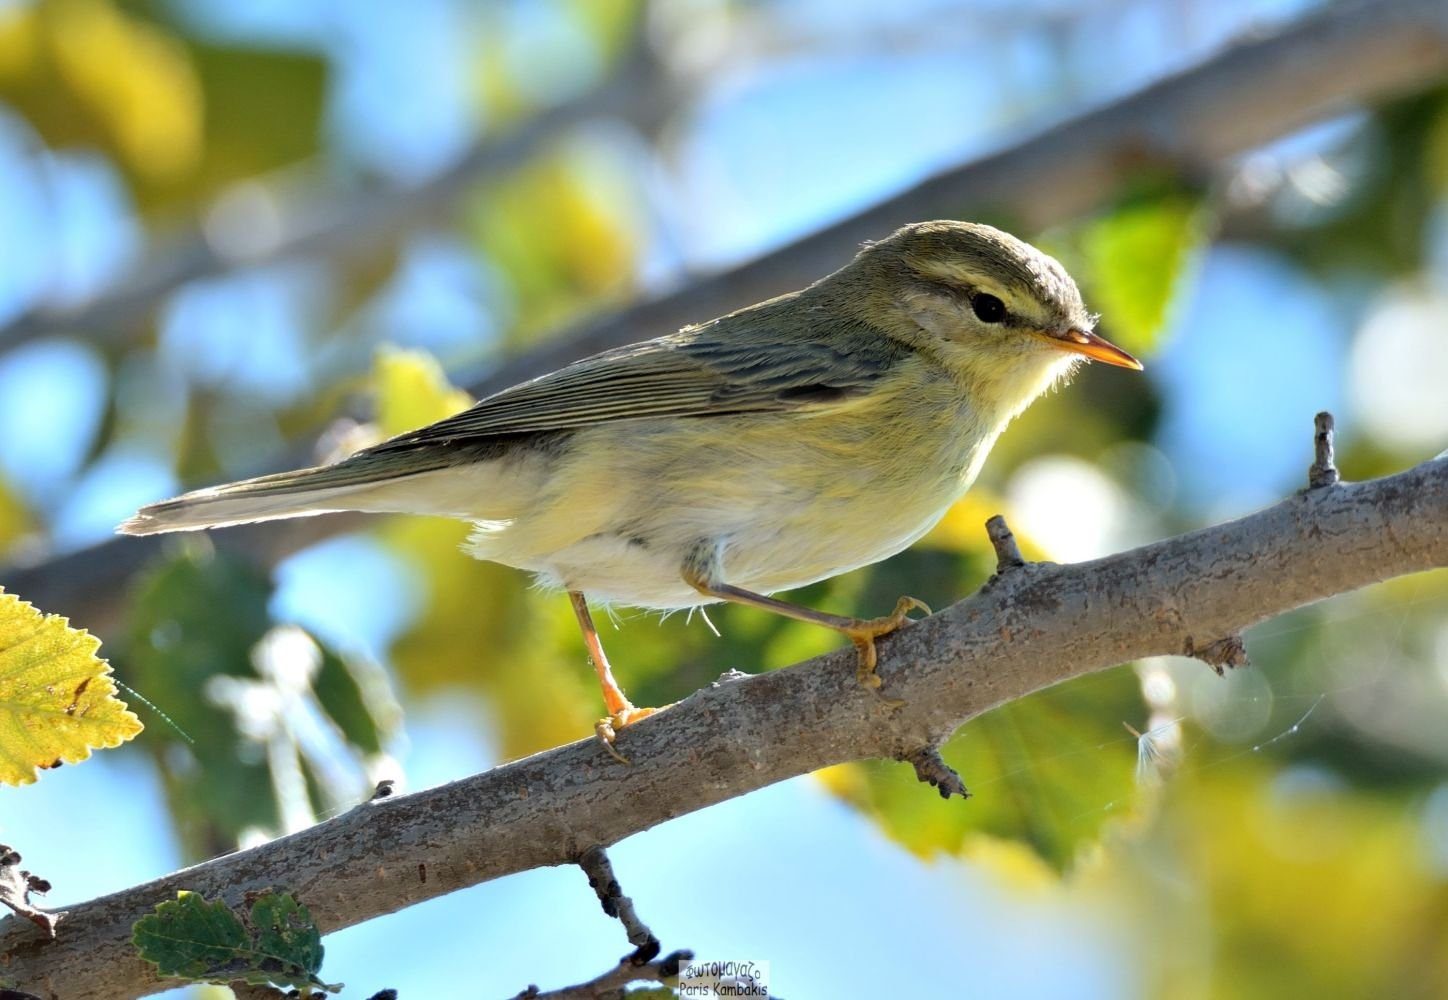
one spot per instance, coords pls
(621, 711)
(861, 631)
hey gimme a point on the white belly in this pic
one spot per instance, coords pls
(619, 518)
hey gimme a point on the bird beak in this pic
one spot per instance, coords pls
(1089, 344)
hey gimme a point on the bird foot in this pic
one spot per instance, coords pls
(606, 729)
(864, 631)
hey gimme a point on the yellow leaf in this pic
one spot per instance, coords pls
(412, 391)
(564, 231)
(57, 700)
(136, 78)
(14, 519)
(480, 630)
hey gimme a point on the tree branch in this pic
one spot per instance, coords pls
(610, 985)
(1033, 627)
(638, 965)
(1235, 101)
(311, 224)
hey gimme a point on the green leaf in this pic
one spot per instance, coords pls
(263, 110)
(57, 699)
(15, 520)
(190, 938)
(284, 930)
(195, 619)
(1048, 772)
(1137, 258)
(194, 634)
(341, 697)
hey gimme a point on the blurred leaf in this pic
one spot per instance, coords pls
(412, 391)
(483, 630)
(178, 643)
(564, 232)
(1435, 158)
(196, 630)
(14, 518)
(90, 73)
(181, 118)
(342, 698)
(57, 699)
(480, 627)
(612, 25)
(962, 529)
(1381, 226)
(1260, 885)
(1137, 256)
(1049, 771)
(263, 110)
(189, 938)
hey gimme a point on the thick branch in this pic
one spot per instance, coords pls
(1035, 626)
(1245, 96)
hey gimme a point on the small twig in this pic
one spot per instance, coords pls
(610, 985)
(730, 676)
(1228, 651)
(384, 789)
(636, 966)
(932, 769)
(16, 886)
(1008, 554)
(1323, 471)
(596, 866)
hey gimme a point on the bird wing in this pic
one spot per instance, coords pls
(720, 368)
(690, 374)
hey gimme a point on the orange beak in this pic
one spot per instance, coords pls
(1089, 344)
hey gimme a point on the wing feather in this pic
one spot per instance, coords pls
(696, 373)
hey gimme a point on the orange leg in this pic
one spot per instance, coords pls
(621, 711)
(861, 631)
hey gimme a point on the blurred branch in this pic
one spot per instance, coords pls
(1244, 97)
(307, 223)
(1034, 626)
(1236, 101)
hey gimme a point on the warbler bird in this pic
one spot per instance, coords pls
(779, 445)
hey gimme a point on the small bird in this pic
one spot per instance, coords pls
(779, 445)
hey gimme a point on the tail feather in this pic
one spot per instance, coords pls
(265, 498)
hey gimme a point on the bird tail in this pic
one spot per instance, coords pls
(320, 490)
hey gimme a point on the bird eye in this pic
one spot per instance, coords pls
(988, 308)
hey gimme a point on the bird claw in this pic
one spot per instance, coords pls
(863, 633)
(606, 729)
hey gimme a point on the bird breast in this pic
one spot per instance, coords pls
(787, 498)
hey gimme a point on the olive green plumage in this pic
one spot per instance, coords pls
(789, 441)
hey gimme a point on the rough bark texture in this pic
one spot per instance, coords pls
(1032, 626)
(1256, 91)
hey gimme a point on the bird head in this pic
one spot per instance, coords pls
(996, 310)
